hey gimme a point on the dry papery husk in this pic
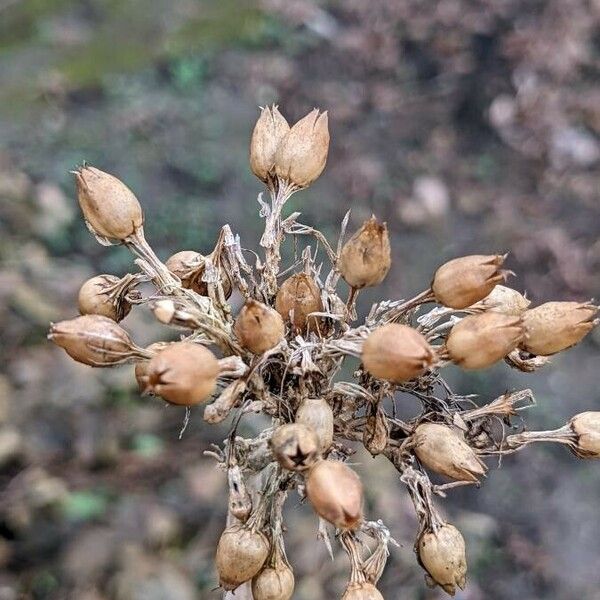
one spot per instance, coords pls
(94, 298)
(274, 582)
(241, 553)
(295, 446)
(443, 555)
(442, 450)
(362, 591)
(188, 266)
(317, 414)
(297, 298)
(258, 327)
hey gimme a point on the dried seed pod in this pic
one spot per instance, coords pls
(463, 281)
(189, 266)
(336, 493)
(241, 553)
(377, 430)
(397, 353)
(505, 300)
(317, 414)
(269, 130)
(108, 205)
(258, 327)
(141, 367)
(443, 555)
(556, 326)
(442, 450)
(297, 298)
(93, 340)
(362, 591)
(302, 153)
(586, 426)
(365, 258)
(183, 373)
(95, 298)
(274, 583)
(478, 341)
(295, 446)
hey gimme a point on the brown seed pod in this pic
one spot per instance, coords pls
(108, 205)
(94, 298)
(505, 300)
(478, 341)
(336, 493)
(295, 446)
(183, 373)
(188, 266)
(442, 450)
(463, 281)
(297, 298)
(258, 327)
(268, 132)
(362, 591)
(317, 414)
(556, 326)
(586, 426)
(302, 153)
(443, 555)
(377, 430)
(241, 553)
(397, 353)
(366, 258)
(274, 583)
(93, 340)
(141, 367)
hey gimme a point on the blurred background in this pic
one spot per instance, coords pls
(470, 126)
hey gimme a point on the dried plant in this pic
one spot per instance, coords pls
(282, 356)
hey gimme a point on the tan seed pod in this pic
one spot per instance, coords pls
(586, 427)
(141, 367)
(556, 326)
(188, 266)
(183, 373)
(443, 555)
(463, 281)
(397, 353)
(362, 591)
(297, 298)
(268, 133)
(108, 205)
(335, 493)
(302, 153)
(295, 446)
(505, 300)
(93, 340)
(241, 553)
(94, 298)
(274, 583)
(258, 327)
(377, 430)
(478, 341)
(443, 451)
(366, 258)
(317, 414)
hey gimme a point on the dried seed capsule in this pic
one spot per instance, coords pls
(463, 281)
(269, 130)
(108, 205)
(258, 327)
(241, 553)
(443, 555)
(183, 373)
(302, 153)
(141, 367)
(397, 353)
(93, 340)
(95, 299)
(317, 414)
(362, 591)
(478, 341)
(274, 583)
(365, 259)
(586, 427)
(295, 446)
(336, 493)
(556, 326)
(440, 449)
(189, 266)
(505, 300)
(297, 298)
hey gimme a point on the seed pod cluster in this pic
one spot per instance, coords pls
(295, 446)
(317, 414)
(586, 426)
(297, 298)
(258, 327)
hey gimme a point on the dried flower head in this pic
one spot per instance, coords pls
(297, 298)
(366, 257)
(258, 327)
(556, 326)
(316, 413)
(269, 131)
(295, 446)
(586, 426)
(463, 281)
